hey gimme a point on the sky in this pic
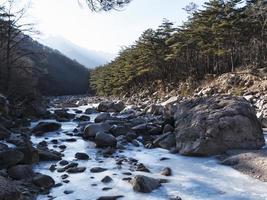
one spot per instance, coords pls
(102, 31)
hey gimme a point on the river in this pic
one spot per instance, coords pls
(193, 178)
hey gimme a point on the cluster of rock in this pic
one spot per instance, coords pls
(17, 155)
(198, 127)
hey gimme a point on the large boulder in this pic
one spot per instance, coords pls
(102, 117)
(8, 190)
(43, 181)
(145, 184)
(44, 127)
(49, 155)
(91, 130)
(105, 140)
(212, 125)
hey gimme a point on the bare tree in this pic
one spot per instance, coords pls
(106, 5)
(13, 33)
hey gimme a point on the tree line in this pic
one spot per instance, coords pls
(218, 38)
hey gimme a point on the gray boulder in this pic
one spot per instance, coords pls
(102, 117)
(43, 181)
(91, 130)
(165, 141)
(144, 184)
(211, 125)
(103, 140)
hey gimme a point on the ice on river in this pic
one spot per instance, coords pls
(193, 178)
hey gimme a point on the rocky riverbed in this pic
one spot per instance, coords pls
(89, 150)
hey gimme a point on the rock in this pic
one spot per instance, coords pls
(144, 184)
(141, 168)
(82, 118)
(105, 106)
(91, 130)
(106, 179)
(166, 171)
(140, 129)
(63, 114)
(44, 127)
(31, 154)
(109, 106)
(20, 172)
(105, 140)
(64, 176)
(47, 155)
(90, 111)
(165, 141)
(68, 191)
(211, 125)
(136, 143)
(81, 156)
(43, 181)
(250, 162)
(3, 147)
(102, 117)
(9, 158)
(9, 190)
(110, 197)
(175, 198)
(118, 106)
(131, 135)
(75, 170)
(4, 105)
(118, 130)
(168, 128)
(156, 109)
(4, 133)
(171, 101)
(106, 188)
(97, 169)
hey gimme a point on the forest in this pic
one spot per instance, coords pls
(29, 69)
(218, 37)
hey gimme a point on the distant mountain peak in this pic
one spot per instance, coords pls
(88, 58)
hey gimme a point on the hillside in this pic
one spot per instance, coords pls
(88, 58)
(59, 74)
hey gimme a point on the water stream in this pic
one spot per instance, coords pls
(193, 178)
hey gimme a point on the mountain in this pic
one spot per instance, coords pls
(59, 75)
(88, 58)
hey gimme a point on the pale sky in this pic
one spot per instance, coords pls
(109, 31)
